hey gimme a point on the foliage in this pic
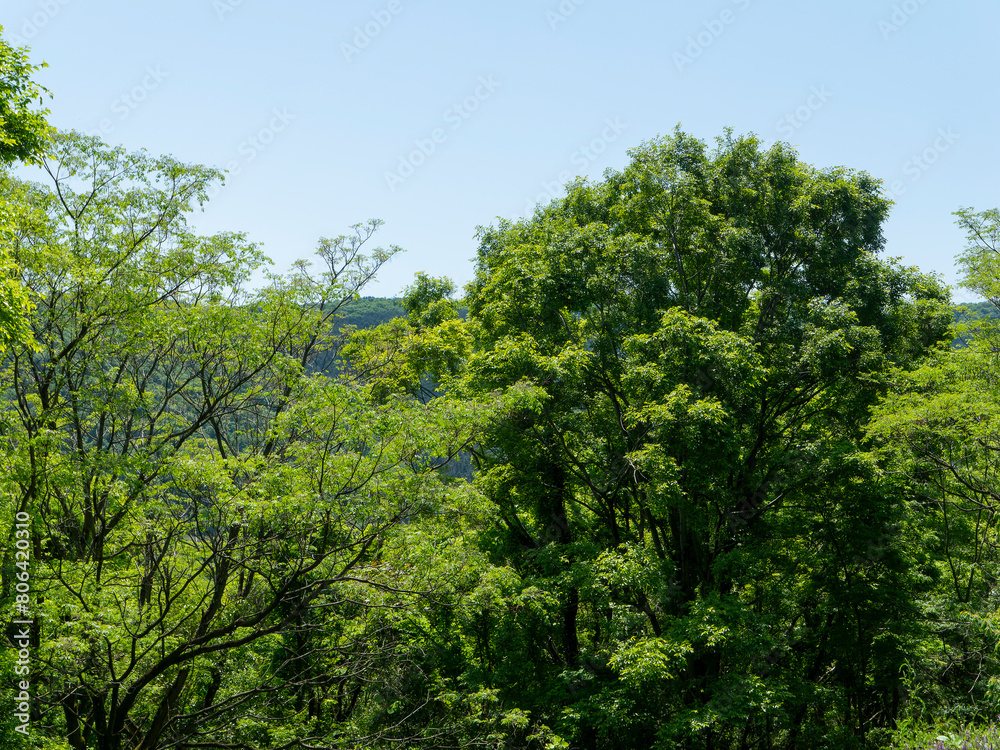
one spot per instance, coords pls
(979, 261)
(416, 356)
(427, 301)
(941, 429)
(224, 546)
(23, 134)
(715, 561)
(23, 129)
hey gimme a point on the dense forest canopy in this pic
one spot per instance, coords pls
(691, 464)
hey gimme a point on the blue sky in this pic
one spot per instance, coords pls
(440, 116)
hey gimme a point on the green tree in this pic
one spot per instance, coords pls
(940, 428)
(223, 544)
(979, 261)
(699, 553)
(23, 128)
(418, 355)
(23, 134)
(428, 301)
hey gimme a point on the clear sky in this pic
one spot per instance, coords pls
(438, 116)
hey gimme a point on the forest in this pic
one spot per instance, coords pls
(691, 463)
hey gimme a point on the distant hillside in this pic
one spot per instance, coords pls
(368, 312)
(372, 311)
(978, 310)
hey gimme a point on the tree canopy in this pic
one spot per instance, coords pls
(709, 329)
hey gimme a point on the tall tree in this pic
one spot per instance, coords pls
(219, 537)
(715, 560)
